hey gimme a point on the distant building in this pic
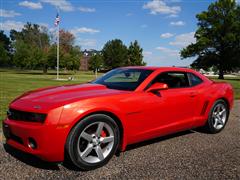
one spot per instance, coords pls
(87, 54)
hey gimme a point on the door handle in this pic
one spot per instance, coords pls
(193, 94)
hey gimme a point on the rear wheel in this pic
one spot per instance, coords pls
(93, 141)
(218, 117)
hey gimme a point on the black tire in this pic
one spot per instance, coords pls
(72, 149)
(209, 126)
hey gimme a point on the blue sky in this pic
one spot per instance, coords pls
(162, 27)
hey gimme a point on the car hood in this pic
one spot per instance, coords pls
(51, 97)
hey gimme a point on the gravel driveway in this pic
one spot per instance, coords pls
(186, 155)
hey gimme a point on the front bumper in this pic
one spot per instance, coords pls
(50, 140)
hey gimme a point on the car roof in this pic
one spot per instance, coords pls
(159, 68)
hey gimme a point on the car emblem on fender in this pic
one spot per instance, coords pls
(37, 107)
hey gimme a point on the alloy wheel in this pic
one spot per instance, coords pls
(219, 116)
(95, 142)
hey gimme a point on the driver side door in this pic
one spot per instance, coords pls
(166, 111)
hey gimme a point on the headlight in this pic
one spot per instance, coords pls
(25, 116)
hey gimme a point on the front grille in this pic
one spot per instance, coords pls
(25, 116)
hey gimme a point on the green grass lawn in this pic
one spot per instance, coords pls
(14, 83)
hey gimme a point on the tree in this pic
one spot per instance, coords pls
(95, 63)
(4, 56)
(135, 56)
(115, 54)
(31, 46)
(69, 54)
(5, 46)
(66, 40)
(71, 59)
(217, 38)
(22, 56)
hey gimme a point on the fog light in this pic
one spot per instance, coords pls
(32, 143)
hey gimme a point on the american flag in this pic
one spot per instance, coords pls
(57, 20)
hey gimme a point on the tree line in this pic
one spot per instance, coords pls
(34, 47)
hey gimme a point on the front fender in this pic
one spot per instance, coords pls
(73, 113)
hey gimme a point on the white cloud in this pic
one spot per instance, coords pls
(87, 9)
(44, 25)
(172, 16)
(166, 35)
(8, 13)
(87, 42)
(144, 26)
(84, 30)
(160, 7)
(8, 25)
(61, 4)
(31, 5)
(183, 40)
(177, 23)
(129, 14)
(167, 51)
(175, 1)
(147, 53)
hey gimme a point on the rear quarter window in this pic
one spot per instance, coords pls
(194, 80)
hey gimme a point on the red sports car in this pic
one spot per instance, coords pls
(89, 122)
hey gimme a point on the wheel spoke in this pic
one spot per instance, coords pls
(99, 153)
(223, 111)
(86, 136)
(99, 129)
(215, 122)
(214, 115)
(220, 121)
(107, 139)
(86, 152)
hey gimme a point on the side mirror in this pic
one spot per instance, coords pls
(157, 86)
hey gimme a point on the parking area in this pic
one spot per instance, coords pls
(185, 155)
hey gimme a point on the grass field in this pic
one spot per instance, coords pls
(14, 83)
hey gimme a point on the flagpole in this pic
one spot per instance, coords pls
(58, 51)
(57, 20)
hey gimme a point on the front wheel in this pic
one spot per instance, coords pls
(93, 141)
(218, 117)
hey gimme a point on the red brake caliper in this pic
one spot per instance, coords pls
(103, 133)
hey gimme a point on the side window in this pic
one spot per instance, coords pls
(194, 80)
(173, 79)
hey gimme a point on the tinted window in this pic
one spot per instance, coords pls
(194, 80)
(173, 79)
(123, 79)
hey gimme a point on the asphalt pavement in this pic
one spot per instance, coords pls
(185, 155)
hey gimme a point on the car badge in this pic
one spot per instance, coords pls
(37, 107)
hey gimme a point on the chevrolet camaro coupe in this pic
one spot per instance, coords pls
(88, 123)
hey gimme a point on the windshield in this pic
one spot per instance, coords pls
(123, 79)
